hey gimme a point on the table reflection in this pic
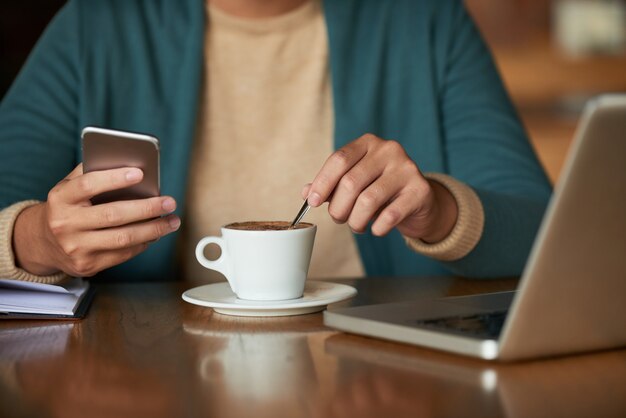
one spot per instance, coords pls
(23, 344)
(51, 370)
(94, 386)
(378, 381)
(32, 342)
(259, 366)
(575, 386)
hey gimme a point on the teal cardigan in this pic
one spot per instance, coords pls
(414, 71)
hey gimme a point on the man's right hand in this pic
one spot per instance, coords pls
(67, 233)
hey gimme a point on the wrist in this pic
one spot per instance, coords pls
(468, 227)
(29, 242)
(444, 214)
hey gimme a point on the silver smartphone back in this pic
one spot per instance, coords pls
(105, 149)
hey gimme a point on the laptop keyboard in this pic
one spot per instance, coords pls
(484, 325)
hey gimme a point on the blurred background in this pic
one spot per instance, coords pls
(553, 55)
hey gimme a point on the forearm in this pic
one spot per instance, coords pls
(510, 226)
(492, 237)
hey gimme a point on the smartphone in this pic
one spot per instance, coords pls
(105, 149)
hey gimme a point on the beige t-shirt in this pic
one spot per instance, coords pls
(265, 128)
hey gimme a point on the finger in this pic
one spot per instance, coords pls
(106, 259)
(120, 213)
(305, 190)
(333, 169)
(88, 185)
(77, 171)
(372, 199)
(355, 181)
(135, 234)
(403, 206)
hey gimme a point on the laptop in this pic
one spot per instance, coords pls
(572, 293)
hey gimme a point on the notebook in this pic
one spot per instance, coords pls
(28, 300)
(571, 294)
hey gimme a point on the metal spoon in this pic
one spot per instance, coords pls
(303, 210)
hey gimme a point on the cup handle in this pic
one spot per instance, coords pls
(220, 264)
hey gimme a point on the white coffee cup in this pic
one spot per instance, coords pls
(262, 264)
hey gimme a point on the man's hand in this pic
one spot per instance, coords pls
(67, 233)
(372, 179)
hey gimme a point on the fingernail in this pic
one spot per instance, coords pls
(174, 222)
(168, 204)
(314, 199)
(134, 174)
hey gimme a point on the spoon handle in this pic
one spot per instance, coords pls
(303, 210)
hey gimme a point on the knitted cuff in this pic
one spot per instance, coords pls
(8, 269)
(468, 228)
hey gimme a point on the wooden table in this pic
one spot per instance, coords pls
(143, 352)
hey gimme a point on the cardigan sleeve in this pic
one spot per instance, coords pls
(38, 115)
(487, 148)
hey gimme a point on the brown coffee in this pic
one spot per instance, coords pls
(266, 225)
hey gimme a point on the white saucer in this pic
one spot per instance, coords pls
(221, 298)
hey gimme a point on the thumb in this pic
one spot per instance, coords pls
(305, 191)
